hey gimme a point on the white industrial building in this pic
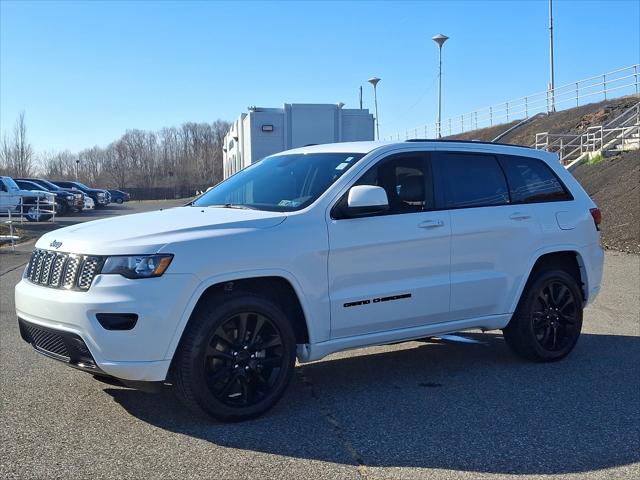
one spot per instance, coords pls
(265, 131)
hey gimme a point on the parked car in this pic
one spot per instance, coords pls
(65, 201)
(119, 196)
(317, 250)
(35, 206)
(79, 196)
(100, 197)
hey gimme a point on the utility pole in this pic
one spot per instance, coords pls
(360, 97)
(552, 83)
(440, 39)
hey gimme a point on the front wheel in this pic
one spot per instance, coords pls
(236, 357)
(34, 214)
(547, 323)
(119, 201)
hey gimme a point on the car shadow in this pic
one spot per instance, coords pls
(467, 407)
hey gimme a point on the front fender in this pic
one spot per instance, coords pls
(312, 329)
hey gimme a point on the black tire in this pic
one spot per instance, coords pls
(547, 322)
(33, 215)
(119, 201)
(220, 369)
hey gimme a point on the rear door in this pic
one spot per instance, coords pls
(491, 238)
(390, 270)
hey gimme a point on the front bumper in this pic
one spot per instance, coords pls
(139, 354)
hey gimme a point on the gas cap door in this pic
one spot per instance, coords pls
(565, 220)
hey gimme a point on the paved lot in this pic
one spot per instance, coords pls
(407, 411)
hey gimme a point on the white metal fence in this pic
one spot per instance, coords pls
(624, 81)
(621, 132)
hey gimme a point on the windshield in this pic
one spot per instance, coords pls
(281, 183)
(10, 182)
(31, 186)
(81, 186)
(49, 185)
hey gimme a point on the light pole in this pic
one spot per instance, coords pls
(374, 81)
(440, 39)
(77, 168)
(552, 83)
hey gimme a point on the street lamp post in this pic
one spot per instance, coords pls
(374, 81)
(77, 169)
(440, 39)
(552, 83)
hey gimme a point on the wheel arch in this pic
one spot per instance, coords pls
(567, 257)
(277, 286)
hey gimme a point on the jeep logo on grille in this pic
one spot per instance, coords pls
(55, 244)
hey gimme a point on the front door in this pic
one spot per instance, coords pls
(390, 270)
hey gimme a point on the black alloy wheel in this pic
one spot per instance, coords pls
(554, 320)
(244, 359)
(547, 322)
(236, 357)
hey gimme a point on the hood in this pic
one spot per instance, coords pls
(35, 193)
(149, 232)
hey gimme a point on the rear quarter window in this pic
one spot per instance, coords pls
(531, 181)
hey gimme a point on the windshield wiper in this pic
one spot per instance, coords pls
(233, 205)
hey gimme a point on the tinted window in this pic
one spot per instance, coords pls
(472, 180)
(531, 180)
(407, 180)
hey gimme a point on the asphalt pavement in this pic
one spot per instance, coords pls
(408, 411)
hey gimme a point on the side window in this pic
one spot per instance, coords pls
(530, 180)
(407, 180)
(472, 180)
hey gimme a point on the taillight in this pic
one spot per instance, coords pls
(597, 217)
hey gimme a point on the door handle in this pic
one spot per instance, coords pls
(431, 224)
(519, 216)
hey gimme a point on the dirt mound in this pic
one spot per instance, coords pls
(614, 184)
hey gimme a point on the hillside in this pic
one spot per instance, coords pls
(573, 120)
(614, 184)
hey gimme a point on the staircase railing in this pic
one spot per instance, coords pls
(605, 137)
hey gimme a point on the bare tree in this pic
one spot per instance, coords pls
(23, 163)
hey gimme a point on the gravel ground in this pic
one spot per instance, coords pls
(405, 411)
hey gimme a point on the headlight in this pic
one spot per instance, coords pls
(70, 197)
(137, 266)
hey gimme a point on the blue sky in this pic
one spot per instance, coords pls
(84, 72)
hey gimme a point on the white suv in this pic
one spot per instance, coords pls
(313, 251)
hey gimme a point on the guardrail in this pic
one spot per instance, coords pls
(32, 209)
(624, 81)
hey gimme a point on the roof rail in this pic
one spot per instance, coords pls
(444, 140)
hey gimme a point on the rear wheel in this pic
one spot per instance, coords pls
(547, 323)
(236, 359)
(119, 201)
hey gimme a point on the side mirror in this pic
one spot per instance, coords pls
(364, 199)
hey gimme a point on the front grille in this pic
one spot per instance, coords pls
(62, 270)
(64, 346)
